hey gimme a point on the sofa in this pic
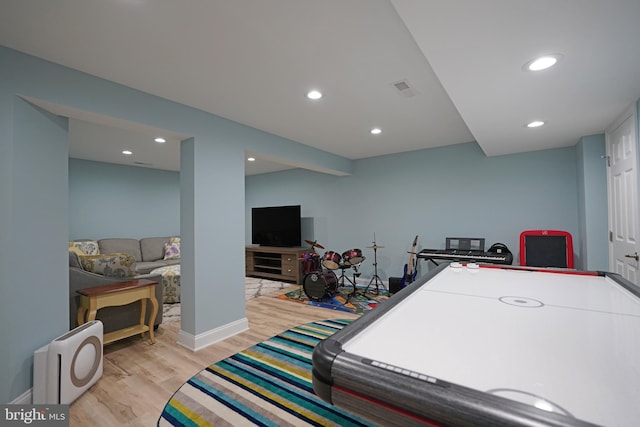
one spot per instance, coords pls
(100, 262)
(148, 252)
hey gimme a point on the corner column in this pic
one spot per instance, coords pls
(212, 241)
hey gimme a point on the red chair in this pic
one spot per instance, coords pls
(546, 248)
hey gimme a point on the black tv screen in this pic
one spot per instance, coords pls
(276, 226)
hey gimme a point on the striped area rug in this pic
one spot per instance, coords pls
(268, 384)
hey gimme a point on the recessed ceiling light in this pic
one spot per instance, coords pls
(542, 62)
(376, 131)
(127, 152)
(535, 124)
(251, 159)
(160, 140)
(314, 94)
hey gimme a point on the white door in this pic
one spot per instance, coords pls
(622, 185)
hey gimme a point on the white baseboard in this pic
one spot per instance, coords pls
(205, 339)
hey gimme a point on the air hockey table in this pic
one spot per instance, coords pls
(491, 345)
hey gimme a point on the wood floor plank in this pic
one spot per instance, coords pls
(140, 378)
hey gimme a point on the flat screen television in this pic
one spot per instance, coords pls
(276, 226)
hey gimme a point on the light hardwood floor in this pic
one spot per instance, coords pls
(139, 378)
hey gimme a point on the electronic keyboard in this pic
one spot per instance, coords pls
(473, 256)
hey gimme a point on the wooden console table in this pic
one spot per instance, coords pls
(93, 299)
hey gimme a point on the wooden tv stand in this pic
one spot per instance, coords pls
(275, 263)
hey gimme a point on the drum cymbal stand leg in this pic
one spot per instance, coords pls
(375, 279)
(344, 277)
(356, 274)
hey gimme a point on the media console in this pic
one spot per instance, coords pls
(274, 263)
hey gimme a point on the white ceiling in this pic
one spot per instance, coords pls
(252, 62)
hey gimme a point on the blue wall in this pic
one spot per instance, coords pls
(33, 202)
(109, 200)
(396, 196)
(592, 202)
(452, 191)
(34, 225)
(435, 193)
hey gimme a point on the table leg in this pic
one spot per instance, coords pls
(93, 309)
(143, 313)
(152, 317)
(81, 316)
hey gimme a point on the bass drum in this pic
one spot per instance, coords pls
(318, 284)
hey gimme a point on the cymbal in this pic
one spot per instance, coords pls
(314, 244)
(375, 247)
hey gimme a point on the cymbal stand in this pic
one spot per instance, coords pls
(375, 279)
(344, 277)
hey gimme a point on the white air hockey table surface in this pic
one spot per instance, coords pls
(558, 341)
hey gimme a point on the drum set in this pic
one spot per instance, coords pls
(320, 280)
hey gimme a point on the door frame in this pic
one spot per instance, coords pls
(630, 111)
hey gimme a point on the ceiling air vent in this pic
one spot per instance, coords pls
(404, 89)
(142, 164)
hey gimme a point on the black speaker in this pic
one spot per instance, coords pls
(395, 285)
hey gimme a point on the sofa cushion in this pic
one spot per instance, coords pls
(87, 247)
(172, 261)
(145, 267)
(74, 261)
(121, 245)
(152, 248)
(109, 265)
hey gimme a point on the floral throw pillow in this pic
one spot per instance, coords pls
(88, 247)
(76, 250)
(172, 250)
(109, 265)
